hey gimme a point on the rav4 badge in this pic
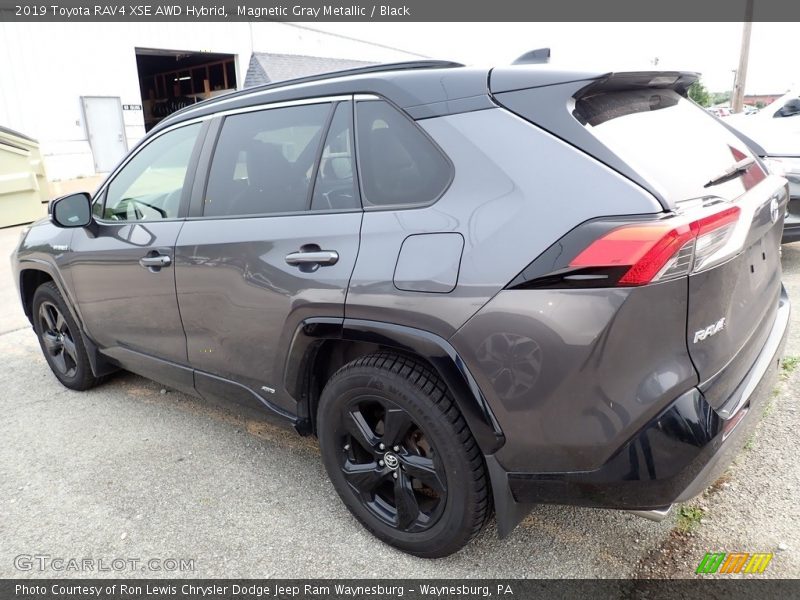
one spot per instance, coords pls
(702, 334)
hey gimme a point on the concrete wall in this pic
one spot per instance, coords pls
(45, 68)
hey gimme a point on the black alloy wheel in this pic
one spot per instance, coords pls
(60, 339)
(57, 339)
(401, 456)
(390, 464)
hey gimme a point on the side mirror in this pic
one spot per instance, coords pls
(791, 108)
(74, 210)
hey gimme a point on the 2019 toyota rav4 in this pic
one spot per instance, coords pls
(480, 288)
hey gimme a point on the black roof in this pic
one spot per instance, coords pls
(423, 83)
(423, 88)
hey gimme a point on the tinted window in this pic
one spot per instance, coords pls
(669, 140)
(399, 164)
(334, 188)
(149, 187)
(264, 161)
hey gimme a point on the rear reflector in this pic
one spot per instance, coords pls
(731, 423)
(663, 250)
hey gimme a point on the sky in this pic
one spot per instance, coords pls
(709, 48)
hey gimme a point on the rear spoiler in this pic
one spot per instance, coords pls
(526, 75)
(680, 81)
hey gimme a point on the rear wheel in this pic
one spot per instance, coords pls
(401, 456)
(60, 339)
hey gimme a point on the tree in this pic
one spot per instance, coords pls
(720, 98)
(699, 93)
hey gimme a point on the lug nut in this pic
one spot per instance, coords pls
(380, 462)
(382, 447)
(396, 448)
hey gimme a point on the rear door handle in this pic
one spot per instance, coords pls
(315, 257)
(154, 261)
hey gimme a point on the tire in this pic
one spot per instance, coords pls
(430, 494)
(60, 339)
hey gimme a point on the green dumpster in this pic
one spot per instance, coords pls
(23, 184)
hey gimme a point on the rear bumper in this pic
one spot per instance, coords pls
(672, 458)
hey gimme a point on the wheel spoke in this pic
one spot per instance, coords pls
(44, 312)
(422, 468)
(363, 477)
(60, 362)
(69, 348)
(360, 430)
(405, 501)
(60, 322)
(396, 424)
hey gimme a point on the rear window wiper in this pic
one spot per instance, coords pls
(733, 172)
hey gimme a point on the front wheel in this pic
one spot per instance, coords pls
(401, 457)
(60, 339)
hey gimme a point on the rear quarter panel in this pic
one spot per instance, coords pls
(516, 190)
(573, 374)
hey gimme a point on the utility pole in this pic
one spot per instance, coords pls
(737, 102)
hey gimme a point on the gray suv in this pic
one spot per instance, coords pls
(481, 289)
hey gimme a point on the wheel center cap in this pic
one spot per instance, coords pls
(391, 460)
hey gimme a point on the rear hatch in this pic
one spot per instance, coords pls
(642, 125)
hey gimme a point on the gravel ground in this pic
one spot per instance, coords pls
(126, 471)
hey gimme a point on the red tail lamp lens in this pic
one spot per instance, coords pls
(648, 247)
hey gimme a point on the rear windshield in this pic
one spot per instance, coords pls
(669, 140)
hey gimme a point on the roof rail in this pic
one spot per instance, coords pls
(378, 68)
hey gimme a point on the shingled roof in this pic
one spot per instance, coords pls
(266, 67)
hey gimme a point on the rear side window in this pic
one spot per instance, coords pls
(264, 161)
(399, 165)
(669, 140)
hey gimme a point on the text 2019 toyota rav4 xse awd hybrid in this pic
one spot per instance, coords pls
(481, 289)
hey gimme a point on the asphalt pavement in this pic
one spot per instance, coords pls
(168, 485)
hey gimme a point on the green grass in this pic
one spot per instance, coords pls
(789, 364)
(689, 517)
(750, 443)
(770, 406)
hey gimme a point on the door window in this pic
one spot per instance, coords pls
(335, 187)
(150, 186)
(264, 161)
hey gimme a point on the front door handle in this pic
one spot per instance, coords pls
(154, 261)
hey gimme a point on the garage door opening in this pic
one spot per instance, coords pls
(170, 80)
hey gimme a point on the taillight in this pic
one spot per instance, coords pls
(713, 234)
(659, 251)
(633, 252)
(645, 249)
